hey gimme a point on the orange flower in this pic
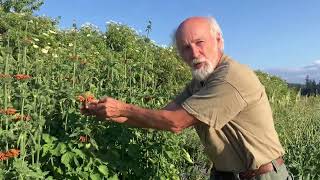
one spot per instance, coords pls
(81, 98)
(86, 97)
(84, 139)
(19, 117)
(9, 154)
(8, 111)
(3, 156)
(13, 153)
(90, 99)
(11, 111)
(5, 76)
(21, 76)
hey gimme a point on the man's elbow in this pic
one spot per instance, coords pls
(176, 123)
(178, 126)
(176, 130)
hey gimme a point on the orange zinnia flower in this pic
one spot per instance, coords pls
(86, 97)
(81, 98)
(84, 139)
(90, 99)
(11, 111)
(3, 156)
(8, 111)
(22, 118)
(5, 76)
(9, 154)
(21, 76)
(13, 152)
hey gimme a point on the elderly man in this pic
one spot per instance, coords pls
(225, 102)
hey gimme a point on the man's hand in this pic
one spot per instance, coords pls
(105, 108)
(108, 107)
(85, 107)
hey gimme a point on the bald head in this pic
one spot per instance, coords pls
(200, 44)
(201, 22)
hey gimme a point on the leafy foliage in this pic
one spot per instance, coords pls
(57, 142)
(20, 6)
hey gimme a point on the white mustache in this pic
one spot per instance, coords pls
(197, 61)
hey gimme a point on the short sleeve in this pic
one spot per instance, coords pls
(215, 104)
(179, 99)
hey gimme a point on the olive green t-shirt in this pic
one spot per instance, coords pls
(237, 128)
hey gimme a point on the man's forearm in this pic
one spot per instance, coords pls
(146, 118)
(130, 122)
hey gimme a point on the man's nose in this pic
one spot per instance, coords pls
(195, 52)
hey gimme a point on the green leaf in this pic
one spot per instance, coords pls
(46, 148)
(169, 154)
(66, 158)
(60, 149)
(89, 164)
(95, 176)
(103, 169)
(79, 153)
(48, 138)
(186, 156)
(114, 177)
(94, 144)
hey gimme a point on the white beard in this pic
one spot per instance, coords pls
(203, 72)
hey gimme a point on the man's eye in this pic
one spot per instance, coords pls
(186, 48)
(199, 42)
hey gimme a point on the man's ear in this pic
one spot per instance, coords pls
(218, 36)
(219, 40)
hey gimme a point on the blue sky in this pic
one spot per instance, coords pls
(280, 37)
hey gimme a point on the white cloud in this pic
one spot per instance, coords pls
(298, 74)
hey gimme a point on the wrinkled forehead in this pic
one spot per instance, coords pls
(192, 29)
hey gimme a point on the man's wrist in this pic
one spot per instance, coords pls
(124, 110)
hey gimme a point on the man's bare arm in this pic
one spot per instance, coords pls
(172, 117)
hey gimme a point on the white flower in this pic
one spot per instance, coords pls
(35, 46)
(88, 35)
(54, 55)
(52, 32)
(45, 51)
(70, 44)
(36, 39)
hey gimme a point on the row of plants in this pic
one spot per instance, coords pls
(44, 72)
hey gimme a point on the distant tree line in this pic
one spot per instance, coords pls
(310, 88)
